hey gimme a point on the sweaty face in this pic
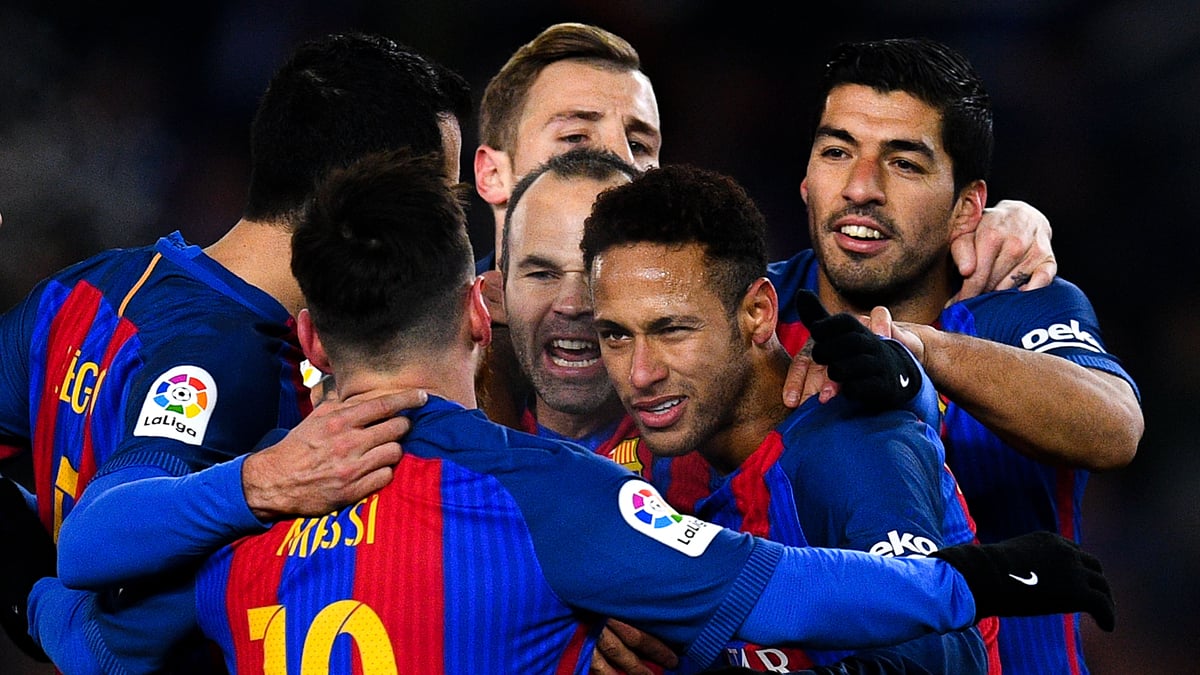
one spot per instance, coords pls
(547, 300)
(675, 356)
(880, 194)
(573, 104)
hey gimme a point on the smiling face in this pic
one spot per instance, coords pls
(676, 356)
(549, 307)
(881, 199)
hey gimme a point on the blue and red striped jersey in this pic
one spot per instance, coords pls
(832, 476)
(155, 361)
(1008, 493)
(497, 551)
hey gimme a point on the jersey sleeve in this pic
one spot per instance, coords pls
(695, 584)
(198, 403)
(1058, 319)
(873, 483)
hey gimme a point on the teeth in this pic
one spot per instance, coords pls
(860, 232)
(664, 406)
(573, 364)
(573, 344)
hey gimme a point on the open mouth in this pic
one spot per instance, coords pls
(860, 232)
(571, 353)
(660, 413)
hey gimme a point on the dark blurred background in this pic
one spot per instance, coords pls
(118, 125)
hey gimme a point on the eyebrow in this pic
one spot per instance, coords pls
(895, 144)
(535, 260)
(636, 124)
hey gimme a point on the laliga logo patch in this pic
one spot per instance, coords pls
(645, 511)
(178, 405)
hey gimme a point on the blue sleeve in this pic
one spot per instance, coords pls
(192, 516)
(874, 484)
(134, 631)
(58, 620)
(838, 599)
(1058, 319)
(700, 582)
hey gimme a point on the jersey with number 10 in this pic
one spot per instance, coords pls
(495, 551)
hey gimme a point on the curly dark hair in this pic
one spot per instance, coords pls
(682, 204)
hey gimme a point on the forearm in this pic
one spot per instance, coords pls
(960, 652)
(795, 608)
(132, 524)
(1045, 406)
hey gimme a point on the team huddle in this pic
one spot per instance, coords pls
(624, 441)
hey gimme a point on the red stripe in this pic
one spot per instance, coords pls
(574, 649)
(254, 577)
(689, 481)
(792, 335)
(750, 489)
(67, 332)
(1065, 504)
(408, 550)
(87, 463)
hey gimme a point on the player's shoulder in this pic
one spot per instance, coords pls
(1059, 290)
(841, 431)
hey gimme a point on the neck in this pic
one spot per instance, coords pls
(431, 376)
(578, 425)
(260, 254)
(920, 300)
(759, 410)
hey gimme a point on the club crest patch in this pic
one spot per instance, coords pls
(647, 512)
(178, 405)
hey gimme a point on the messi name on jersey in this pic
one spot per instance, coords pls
(351, 527)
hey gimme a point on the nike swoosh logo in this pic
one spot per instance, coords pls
(1030, 580)
(903, 381)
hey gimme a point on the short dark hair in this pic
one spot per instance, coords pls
(508, 90)
(338, 98)
(594, 164)
(382, 256)
(678, 205)
(933, 73)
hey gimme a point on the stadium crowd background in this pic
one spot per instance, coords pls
(118, 127)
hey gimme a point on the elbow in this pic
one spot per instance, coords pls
(73, 567)
(1120, 442)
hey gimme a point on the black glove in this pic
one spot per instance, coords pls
(29, 556)
(880, 374)
(1033, 574)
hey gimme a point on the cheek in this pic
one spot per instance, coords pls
(526, 306)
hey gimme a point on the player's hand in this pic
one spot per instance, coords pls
(879, 374)
(623, 648)
(342, 452)
(29, 556)
(806, 378)
(1009, 249)
(493, 296)
(1033, 574)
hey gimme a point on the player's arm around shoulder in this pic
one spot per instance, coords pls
(1061, 400)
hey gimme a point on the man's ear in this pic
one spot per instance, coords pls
(760, 311)
(493, 175)
(494, 182)
(310, 342)
(478, 316)
(804, 189)
(968, 210)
